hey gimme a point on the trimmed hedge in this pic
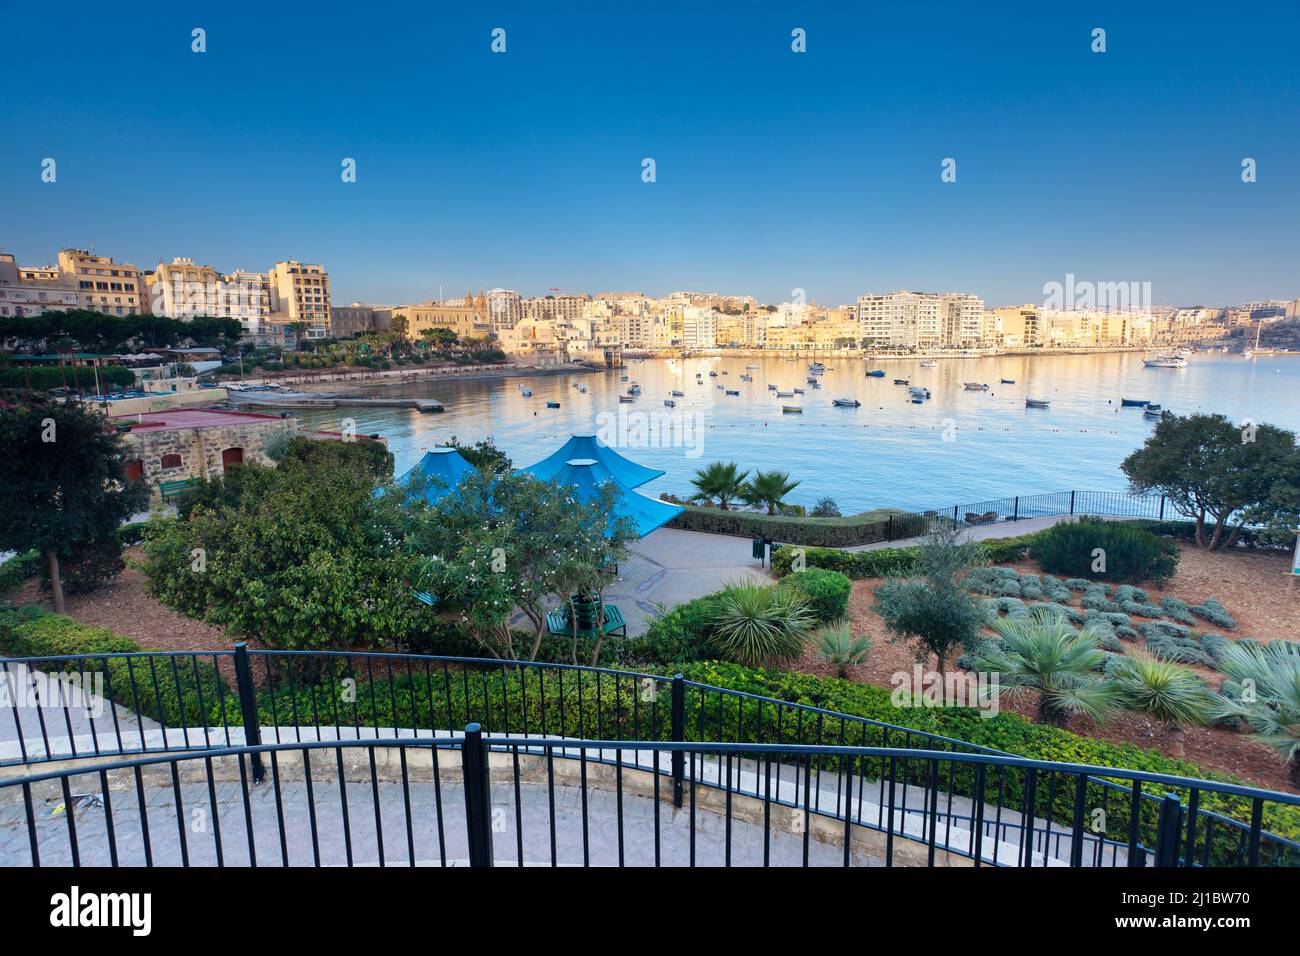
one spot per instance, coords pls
(178, 691)
(866, 527)
(889, 562)
(44, 377)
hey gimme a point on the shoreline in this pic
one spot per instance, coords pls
(349, 383)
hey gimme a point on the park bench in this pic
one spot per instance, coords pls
(179, 488)
(557, 622)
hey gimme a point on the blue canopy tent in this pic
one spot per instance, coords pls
(625, 471)
(444, 464)
(586, 475)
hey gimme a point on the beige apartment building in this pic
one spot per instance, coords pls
(114, 288)
(505, 308)
(31, 290)
(180, 289)
(300, 293)
(468, 318)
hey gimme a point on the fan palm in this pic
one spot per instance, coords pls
(1263, 689)
(755, 623)
(720, 481)
(1166, 690)
(1041, 651)
(837, 646)
(768, 488)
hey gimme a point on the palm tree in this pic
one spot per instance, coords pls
(1263, 689)
(1041, 651)
(723, 481)
(1168, 691)
(837, 646)
(768, 488)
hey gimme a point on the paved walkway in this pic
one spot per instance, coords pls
(670, 566)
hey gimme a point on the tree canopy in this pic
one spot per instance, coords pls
(1220, 474)
(63, 484)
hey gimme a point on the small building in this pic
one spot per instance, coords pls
(181, 444)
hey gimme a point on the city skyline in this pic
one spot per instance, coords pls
(775, 170)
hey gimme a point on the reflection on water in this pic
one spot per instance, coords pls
(886, 453)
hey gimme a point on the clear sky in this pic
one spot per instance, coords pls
(775, 170)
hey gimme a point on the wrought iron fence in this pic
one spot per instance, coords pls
(1117, 504)
(181, 703)
(505, 800)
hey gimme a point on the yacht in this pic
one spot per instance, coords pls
(929, 364)
(1165, 361)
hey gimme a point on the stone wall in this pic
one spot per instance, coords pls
(200, 449)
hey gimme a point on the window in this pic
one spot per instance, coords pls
(170, 461)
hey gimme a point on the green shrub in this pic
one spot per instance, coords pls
(890, 562)
(827, 592)
(18, 569)
(1131, 554)
(43, 378)
(175, 691)
(88, 567)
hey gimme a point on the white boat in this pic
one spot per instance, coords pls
(846, 402)
(1166, 361)
(816, 367)
(781, 394)
(526, 392)
(799, 391)
(918, 391)
(974, 387)
(928, 364)
(751, 366)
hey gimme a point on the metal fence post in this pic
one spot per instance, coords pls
(1167, 831)
(478, 799)
(248, 708)
(678, 735)
(889, 529)
(1071, 502)
(1162, 507)
(1015, 512)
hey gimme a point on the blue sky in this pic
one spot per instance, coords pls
(775, 170)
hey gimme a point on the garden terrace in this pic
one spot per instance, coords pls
(638, 751)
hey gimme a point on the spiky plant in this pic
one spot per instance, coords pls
(721, 481)
(768, 488)
(837, 646)
(1041, 651)
(757, 623)
(1263, 689)
(1168, 691)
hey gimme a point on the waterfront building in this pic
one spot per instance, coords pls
(468, 317)
(180, 289)
(505, 308)
(358, 319)
(31, 290)
(300, 294)
(699, 327)
(114, 288)
(1019, 326)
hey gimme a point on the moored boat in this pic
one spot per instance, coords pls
(627, 399)
(1036, 403)
(731, 391)
(846, 402)
(876, 373)
(791, 410)
(771, 388)
(1166, 361)
(677, 393)
(929, 364)
(1134, 402)
(552, 404)
(975, 386)
(900, 381)
(800, 391)
(1008, 381)
(670, 403)
(781, 394)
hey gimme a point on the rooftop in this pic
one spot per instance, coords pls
(174, 419)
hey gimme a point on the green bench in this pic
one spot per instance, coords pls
(557, 622)
(177, 489)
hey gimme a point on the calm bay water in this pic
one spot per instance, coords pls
(887, 453)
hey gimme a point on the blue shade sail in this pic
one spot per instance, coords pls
(623, 470)
(444, 464)
(586, 475)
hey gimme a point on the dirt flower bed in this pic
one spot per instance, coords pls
(1250, 584)
(126, 607)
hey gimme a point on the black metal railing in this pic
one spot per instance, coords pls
(1115, 504)
(487, 800)
(170, 703)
